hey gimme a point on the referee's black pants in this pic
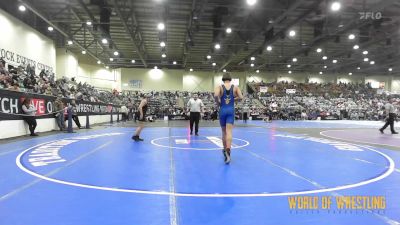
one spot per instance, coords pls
(194, 118)
(390, 121)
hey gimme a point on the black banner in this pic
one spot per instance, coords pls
(11, 104)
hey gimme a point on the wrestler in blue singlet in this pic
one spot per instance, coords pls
(227, 107)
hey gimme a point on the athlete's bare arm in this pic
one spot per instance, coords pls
(238, 94)
(217, 95)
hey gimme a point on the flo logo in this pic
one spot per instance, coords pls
(370, 15)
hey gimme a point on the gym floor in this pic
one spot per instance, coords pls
(100, 176)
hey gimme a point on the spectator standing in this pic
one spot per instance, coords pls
(30, 112)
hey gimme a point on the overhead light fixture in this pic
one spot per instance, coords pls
(116, 53)
(50, 28)
(251, 2)
(366, 59)
(217, 46)
(162, 44)
(253, 58)
(163, 55)
(104, 41)
(98, 62)
(191, 70)
(83, 52)
(390, 69)
(372, 62)
(321, 73)
(269, 48)
(341, 25)
(294, 59)
(252, 65)
(356, 47)
(334, 61)
(289, 71)
(324, 57)
(111, 59)
(325, 67)
(350, 74)
(174, 62)
(365, 52)
(352, 36)
(224, 70)
(228, 30)
(292, 33)
(160, 26)
(89, 23)
(70, 42)
(335, 6)
(22, 8)
(133, 61)
(319, 50)
(288, 66)
(257, 71)
(155, 67)
(208, 56)
(214, 64)
(358, 68)
(107, 67)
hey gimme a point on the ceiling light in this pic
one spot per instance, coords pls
(352, 36)
(257, 71)
(228, 30)
(294, 59)
(334, 61)
(155, 67)
(390, 69)
(133, 61)
(321, 72)
(83, 52)
(104, 41)
(251, 2)
(224, 70)
(174, 62)
(335, 6)
(325, 57)
(288, 66)
(163, 55)
(341, 25)
(208, 56)
(111, 59)
(161, 26)
(365, 52)
(366, 59)
(372, 62)
(116, 53)
(325, 67)
(253, 58)
(191, 70)
(289, 71)
(50, 28)
(89, 23)
(217, 46)
(107, 67)
(359, 68)
(252, 65)
(98, 62)
(214, 64)
(269, 48)
(70, 42)
(292, 33)
(319, 50)
(162, 44)
(22, 8)
(356, 47)
(350, 74)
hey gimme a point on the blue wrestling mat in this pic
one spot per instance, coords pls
(102, 177)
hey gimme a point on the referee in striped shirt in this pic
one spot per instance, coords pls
(195, 107)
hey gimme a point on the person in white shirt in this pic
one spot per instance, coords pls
(195, 107)
(30, 112)
(391, 113)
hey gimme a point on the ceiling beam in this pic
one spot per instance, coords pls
(59, 29)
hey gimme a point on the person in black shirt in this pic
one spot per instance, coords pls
(142, 109)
